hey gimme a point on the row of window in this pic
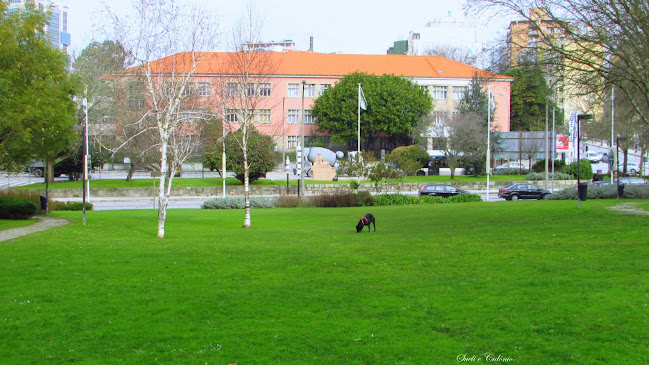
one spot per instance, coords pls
(441, 92)
(264, 116)
(263, 89)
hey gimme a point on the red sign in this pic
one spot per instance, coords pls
(562, 143)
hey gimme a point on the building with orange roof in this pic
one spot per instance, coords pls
(287, 79)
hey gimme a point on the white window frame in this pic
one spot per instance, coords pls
(293, 90)
(232, 89)
(263, 116)
(308, 116)
(309, 90)
(204, 88)
(265, 89)
(459, 92)
(440, 92)
(293, 116)
(232, 116)
(324, 87)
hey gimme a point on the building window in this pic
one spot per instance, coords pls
(231, 116)
(324, 87)
(204, 89)
(308, 117)
(136, 96)
(250, 90)
(291, 142)
(263, 116)
(293, 116)
(293, 90)
(459, 92)
(440, 118)
(440, 92)
(424, 88)
(309, 90)
(264, 89)
(232, 89)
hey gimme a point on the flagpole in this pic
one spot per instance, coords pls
(358, 147)
(488, 138)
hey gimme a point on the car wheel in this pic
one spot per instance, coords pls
(632, 171)
(514, 197)
(543, 197)
(38, 172)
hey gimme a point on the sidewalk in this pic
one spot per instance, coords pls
(42, 224)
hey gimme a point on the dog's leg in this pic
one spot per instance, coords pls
(374, 223)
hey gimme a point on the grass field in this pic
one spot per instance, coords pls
(207, 182)
(538, 282)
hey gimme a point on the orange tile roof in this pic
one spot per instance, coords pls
(300, 63)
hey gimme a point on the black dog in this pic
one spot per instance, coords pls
(365, 221)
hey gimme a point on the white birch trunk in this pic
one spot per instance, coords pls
(163, 200)
(246, 179)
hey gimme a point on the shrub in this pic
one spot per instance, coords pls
(14, 207)
(585, 166)
(400, 199)
(408, 158)
(395, 199)
(539, 165)
(68, 206)
(354, 185)
(465, 198)
(364, 199)
(286, 201)
(535, 176)
(603, 192)
(511, 171)
(238, 203)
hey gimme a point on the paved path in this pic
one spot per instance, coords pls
(42, 224)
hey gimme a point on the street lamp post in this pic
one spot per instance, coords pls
(302, 137)
(616, 165)
(580, 117)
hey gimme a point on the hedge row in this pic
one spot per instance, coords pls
(14, 207)
(603, 192)
(359, 199)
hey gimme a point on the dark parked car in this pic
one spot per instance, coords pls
(441, 190)
(523, 191)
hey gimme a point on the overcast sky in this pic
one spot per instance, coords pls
(344, 26)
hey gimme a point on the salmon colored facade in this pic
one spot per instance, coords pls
(279, 85)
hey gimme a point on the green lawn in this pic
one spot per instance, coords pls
(207, 182)
(540, 282)
(10, 223)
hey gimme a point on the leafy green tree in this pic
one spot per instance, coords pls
(36, 91)
(475, 100)
(395, 105)
(408, 158)
(261, 155)
(530, 94)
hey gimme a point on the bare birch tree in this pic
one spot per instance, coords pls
(247, 89)
(168, 43)
(595, 43)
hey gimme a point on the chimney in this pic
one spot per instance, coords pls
(311, 44)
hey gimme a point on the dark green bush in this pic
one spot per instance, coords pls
(465, 198)
(395, 199)
(68, 206)
(585, 166)
(539, 165)
(13, 207)
(364, 199)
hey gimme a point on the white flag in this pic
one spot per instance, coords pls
(361, 98)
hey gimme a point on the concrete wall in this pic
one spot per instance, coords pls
(274, 190)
